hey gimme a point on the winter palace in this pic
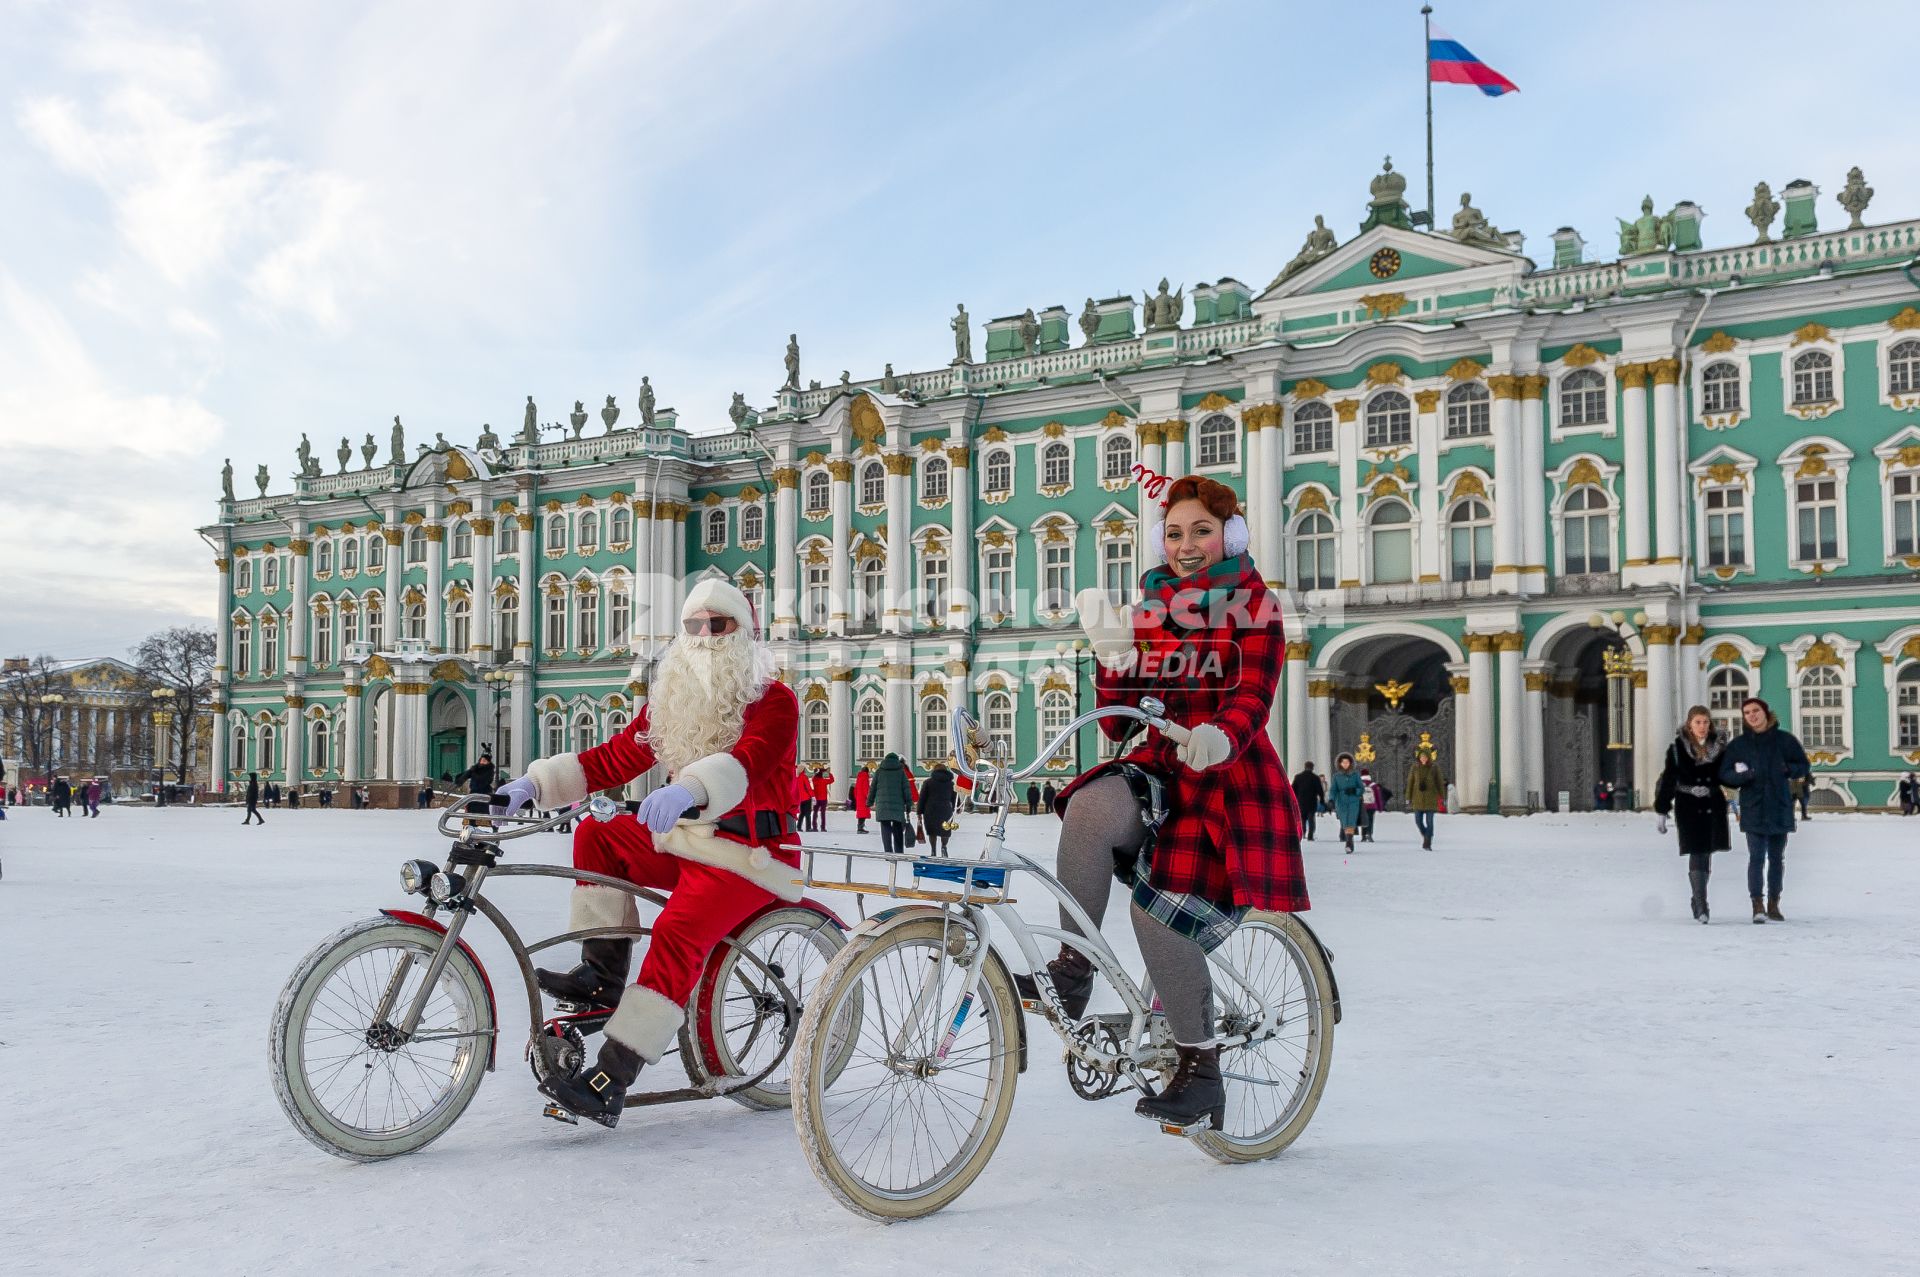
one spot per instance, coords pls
(1526, 513)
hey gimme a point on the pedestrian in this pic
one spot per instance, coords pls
(1689, 790)
(862, 806)
(894, 794)
(1033, 799)
(94, 787)
(62, 796)
(802, 799)
(1047, 795)
(1425, 787)
(293, 798)
(936, 809)
(479, 778)
(1347, 797)
(1801, 788)
(1309, 795)
(253, 800)
(1373, 799)
(1909, 794)
(1762, 763)
(822, 785)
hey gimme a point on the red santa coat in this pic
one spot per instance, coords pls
(753, 776)
(820, 784)
(862, 785)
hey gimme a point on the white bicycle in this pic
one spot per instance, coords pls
(912, 1041)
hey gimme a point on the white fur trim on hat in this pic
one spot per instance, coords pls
(1234, 532)
(594, 908)
(645, 1023)
(559, 780)
(696, 841)
(716, 595)
(724, 779)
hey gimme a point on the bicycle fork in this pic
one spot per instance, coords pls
(925, 1015)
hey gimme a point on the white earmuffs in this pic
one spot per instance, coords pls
(1235, 530)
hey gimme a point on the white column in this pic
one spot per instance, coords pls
(1480, 673)
(1692, 680)
(898, 616)
(961, 610)
(1152, 456)
(840, 731)
(1513, 739)
(394, 615)
(1262, 510)
(1533, 467)
(482, 604)
(1667, 439)
(1510, 483)
(418, 738)
(350, 726)
(1299, 712)
(1320, 720)
(1662, 713)
(786, 516)
(526, 735)
(526, 644)
(1535, 675)
(660, 568)
(899, 733)
(1633, 432)
(1461, 683)
(295, 753)
(1346, 440)
(436, 587)
(1433, 531)
(840, 569)
(300, 611)
(677, 556)
(1649, 740)
(1176, 448)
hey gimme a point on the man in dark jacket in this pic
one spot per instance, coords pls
(253, 800)
(1033, 800)
(1762, 763)
(1047, 794)
(479, 777)
(1309, 794)
(936, 808)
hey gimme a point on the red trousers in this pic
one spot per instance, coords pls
(705, 905)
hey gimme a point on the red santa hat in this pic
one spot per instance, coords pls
(716, 595)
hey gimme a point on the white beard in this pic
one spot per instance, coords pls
(698, 699)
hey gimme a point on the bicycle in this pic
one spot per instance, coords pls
(386, 1029)
(910, 1048)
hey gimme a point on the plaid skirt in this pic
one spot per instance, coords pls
(1205, 922)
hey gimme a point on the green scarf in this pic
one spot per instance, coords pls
(1195, 595)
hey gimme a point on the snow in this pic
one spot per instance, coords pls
(1545, 1067)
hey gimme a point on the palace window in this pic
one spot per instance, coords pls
(416, 544)
(323, 558)
(237, 747)
(936, 727)
(1469, 411)
(1056, 711)
(1816, 519)
(1390, 534)
(716, 530)
(1821, 704)
(814, 734)
(322, 637)
(620, 526)
(506, 623)
(556, 622)
(269, 645)
(617, 721)
(873, 589)
(873, 484)
(1813, 378)
(999, 719)
(1056, 465)
(996, 573)
(872, 719)
(349, 624)
(819, 578)
(1906, 708)
(1727, 689)
(556, 534)
(242, 646)
(1116, 569)
(1586, 531)
(415, 618)
(819, 492)
(554, 729)
(1219, 441)
(1470, 541)
(508, 539)
(243, 577)
(1726, 519)
(753, 524)
(584, 737)
(1116, 457)
(459, 626)
(462, 547)
(1312, 428)
(933, 479)
(1056, 577)
(933, 582)
(1389, 420)
(376, 623)
(589, 533)
(620, 617)
(350, 555)
(757, 607)
(1315, 553)
(1903, 501)
(1903, 368)
(270, 574)
(1583, 398)
(319, 745)
(1720, 388)
(586, 621)
(999, 471)
(269, 739)
(377, 553)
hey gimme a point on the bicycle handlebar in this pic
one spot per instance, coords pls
(969, 735)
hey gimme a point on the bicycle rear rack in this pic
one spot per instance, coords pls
(979, 882)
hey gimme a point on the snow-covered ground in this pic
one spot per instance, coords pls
(1545, 1067)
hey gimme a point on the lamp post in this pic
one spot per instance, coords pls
(1077, 650)
(1616, 663)
(50, 706)
(162, 720)
(499, 683)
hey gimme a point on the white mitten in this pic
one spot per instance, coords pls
(1206, 746)
(1109, 630)
(1660, 825)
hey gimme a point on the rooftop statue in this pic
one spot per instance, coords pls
(1386, 202)
(793, 363)
(737, 411)
(846, 379)
(1163, 309)
(1089, 321)
(1855, 197)
(1470, 225)
(344, 453)
(1762, 211)
(260, 478)
(226, 480)
(889, 384)
(530, 424)
(962, 336)
(1320, 242)
(1029, 332)
(489, 441)
(578, 417)
(305, 454)
(398, 442)
(646, 403)
(1647, 234)
(369, 450)
(610, 413)
(440, 443)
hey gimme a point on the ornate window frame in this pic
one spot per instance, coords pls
(1002, 453)
(1899, 652)
(1810, 458)
(1375, 504)
(812, 475)
(1577, 472)
(1331, 420)
(1582, 358)
(1813, 338)
(1899, 456)
(1233, 430)
(1737, 652)
(1446, 407)
(989, 683)
(866, 467)
(1110, 443)
(1883, 355)
(715, 516)
(1716, 350)
(1366, 424)
(747, 542)
(1723, 467)
(1054, 529)
(1454, 501)
(997, 536)
(923, 472)
(1041, 451)
(1823, 651)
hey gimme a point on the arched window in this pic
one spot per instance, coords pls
(813, 737)
(818, 593)
(377, 552)
(554, 729)
(350, 555)
(756, 607)
(459, 626)
(507, 541)
(620, 525)
(1583, 398)
(586, 620)
(1903, 368)
(1822, 709)
(996, 580)
(583, 733)
(1056, 711)
(556, 621)
(242, 645)
(462, 540)
(416, 544)
(819, 492)
(1727, 689)
(753, 524)
(376, 623)
(349, 622)
(873, 589)
(1389, 420)
(1218, 443)
(872, 720)
(716, 538)
(617, 721)
(998, 709)
(1906, 708)
(506, 622)
(243, 577)
(1903, 501)
(416, 620)
(619, 615)
(1469, 410)
(1315, 553)
(933, 586)
(269, 644)
(1587, 531)
(1813, 378)
(322, 635)
(873, 484)
(1816, 518)
(556, 534)
(1116, 457)
(999, 470)
(1470, 541)
(269, 747)
(1312, 428)
(933, 479)
(588, 532)
(270, 574)
(323, 558)
(237, 747)
(936, 725)
(1726, 519)
(1116, 569)
(1720, 388)
(1056, 465)
(320, 746)
(1390, 538)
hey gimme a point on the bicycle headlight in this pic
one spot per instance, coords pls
(415, 875)
(443, 887)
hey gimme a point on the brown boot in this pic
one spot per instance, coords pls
(1072, 976)
(1773, 909)
(1196, 1094)
(1759, 909)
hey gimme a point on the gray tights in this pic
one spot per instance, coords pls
(1102, 817)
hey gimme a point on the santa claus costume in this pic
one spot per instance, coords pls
(725, 731)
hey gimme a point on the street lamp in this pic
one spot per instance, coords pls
(1616, 663)
(162, 720)
(51, 702)
(499, 682)
(1078, 651)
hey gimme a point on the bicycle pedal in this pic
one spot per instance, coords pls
(559, 1114)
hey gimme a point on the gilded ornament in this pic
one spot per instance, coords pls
(1310, 498)
(1384, 305)
(1467, 484)
(1460, 684)
(1718, 343)
(1176, 431)
(1346, 409)
(1394, 692)
(1426, 400)
(1666, 372)
(1385, 373)
(1820, 654)
(1504, 386)
(524, 521)
(1309, 388)
(1584, 471)
(1534, 386)
(1537, 681)
(1465, 370)
(1115, 419)
(1813, 462)
(1214, 402)
(816, 694)
(1811, 331)
(1907, 319)
(379, 667)
(1152, 433)
(1582, 356)
(1388, 486)
(1510, 641)
(1363, 752)
(1299, 649)
(483, 526)
(958, 455)
(436, 533)
(898, 463)
(448, 672)
(1632, 376)
(786, 477)
(1261, 417)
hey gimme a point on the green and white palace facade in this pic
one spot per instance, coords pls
(1527, 514)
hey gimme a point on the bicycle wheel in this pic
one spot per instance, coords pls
(351, 1093)
(738, 1022)
(916, 1112)
(1274, 1084)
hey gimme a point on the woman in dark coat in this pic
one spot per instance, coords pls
(893, 793)
(936, 808)
(1689, 791)
(1347, 796)
(1762, 763)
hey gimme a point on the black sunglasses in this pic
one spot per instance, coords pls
(698, 625)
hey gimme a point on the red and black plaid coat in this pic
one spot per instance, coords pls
(1233, 834)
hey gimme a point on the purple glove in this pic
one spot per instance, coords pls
(520, 793)
(664, 806)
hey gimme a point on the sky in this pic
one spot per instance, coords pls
(225, 224)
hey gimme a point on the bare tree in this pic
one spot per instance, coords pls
(23, 686)
(181, 658)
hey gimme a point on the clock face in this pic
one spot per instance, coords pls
(1384, 264)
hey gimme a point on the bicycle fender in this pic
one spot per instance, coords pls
(887, 919)
(1328, 955)
(413, 919)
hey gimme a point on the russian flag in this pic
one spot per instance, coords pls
(1448, 62)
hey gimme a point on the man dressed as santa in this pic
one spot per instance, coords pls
(724, 729)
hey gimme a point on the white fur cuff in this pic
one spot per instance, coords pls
(645, 1023)
(696, 841)
(593, 908)
(559, 780)
(724, 779)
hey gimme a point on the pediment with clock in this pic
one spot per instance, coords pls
(1410, 271)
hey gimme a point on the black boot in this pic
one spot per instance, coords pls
(597, 981)
(1072, 976)
(599, 1093)
(1699, 881)
(1196, 1092)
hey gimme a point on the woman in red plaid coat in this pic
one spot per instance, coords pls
(1208, 642)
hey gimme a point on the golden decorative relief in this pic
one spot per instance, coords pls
(931, 688)
(1261, 417)
(1811, 331)
(1152, 433)
(1821, 653)
(1176, 431)
(1460, 684)
(786, 477)
(1906, 459)
(1534, 386)
(994, 435)
(1725, 654)
(1346, 409)
(995, 539)
(435, 533)
(1299, 649)
(1632, 376)
(1823, 758)
(898, 463)
(930, 444)
(1309, 388)
(483, 526)
(749, 579)
(1388, 486)
(1584, 471)
(1480, 642)
(551, 507)
(1384, 305)
(1115, 419)
(816, 694)
(1214, 402)
(1466, 484)
(958, 455)
(1465, 370)
(1537, 682)
(1394, 692)
(1582, 356)
(379, 667)
(1426, 400)
(460, 507)
(448, 672)
(1385, 373)
(1504, 386)
(1115, 527)
(525, 522)
(1666, 372)
(841, 471)
(750, 493)
(1310, 499)
(1718, 343)
(815, 458)
(1054, 429)
(1906, 320)
(1813, 462)
(713, 499)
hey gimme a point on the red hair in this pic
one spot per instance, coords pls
(1220, 501)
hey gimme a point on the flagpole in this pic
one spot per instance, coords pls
(1426, 22)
